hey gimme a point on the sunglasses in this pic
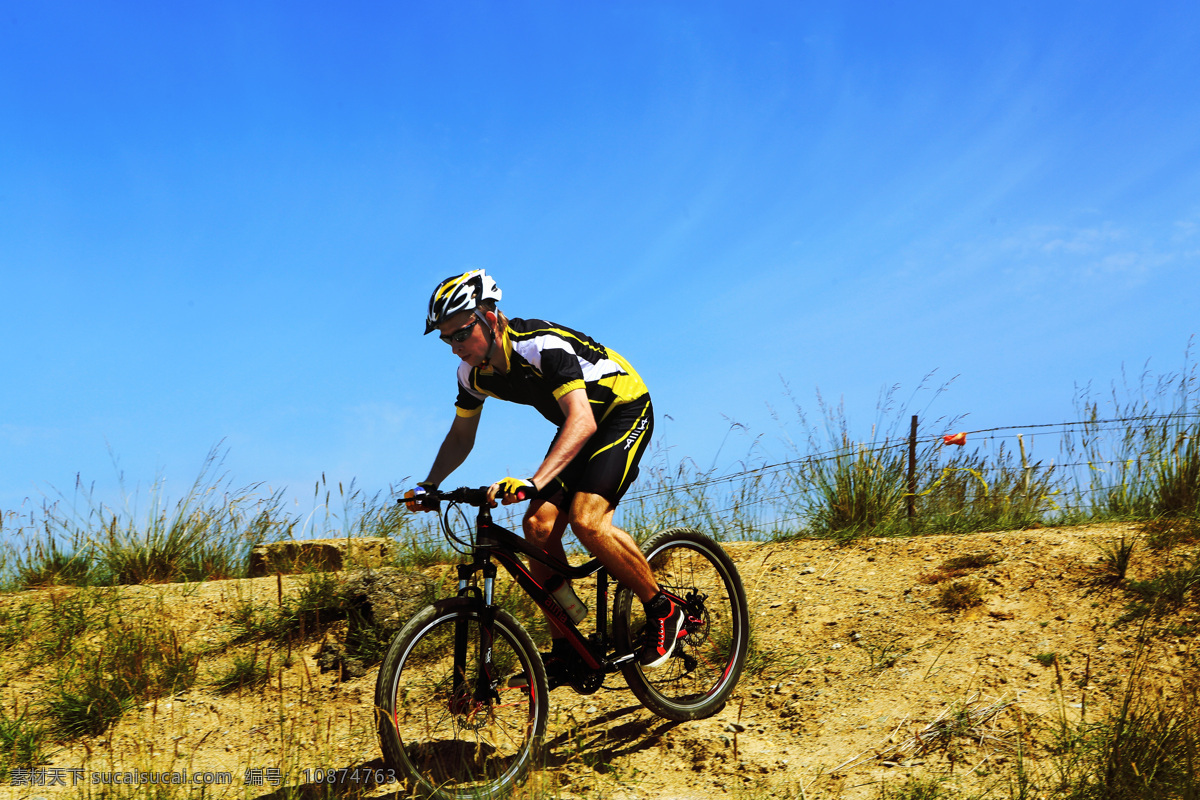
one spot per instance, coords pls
(460, 335)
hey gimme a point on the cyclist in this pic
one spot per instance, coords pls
(604, 418)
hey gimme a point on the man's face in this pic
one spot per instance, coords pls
(474, 346)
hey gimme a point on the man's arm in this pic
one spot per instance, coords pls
(578, 428)
(455, 447)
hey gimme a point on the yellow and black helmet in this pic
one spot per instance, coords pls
(460, 293)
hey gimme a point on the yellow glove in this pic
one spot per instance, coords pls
(516, 488)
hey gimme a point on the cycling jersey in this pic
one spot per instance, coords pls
(545, 361)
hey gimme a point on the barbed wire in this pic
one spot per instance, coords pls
(878, 446)
(1171, 415)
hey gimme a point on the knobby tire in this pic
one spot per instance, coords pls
(446, 741)
(707, 663)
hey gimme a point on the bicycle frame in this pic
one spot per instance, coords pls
(493, 541)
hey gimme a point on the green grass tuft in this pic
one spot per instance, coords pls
(1166, 592)
(1148, 747)
(23, 741)
(91, 697)
(245, 671)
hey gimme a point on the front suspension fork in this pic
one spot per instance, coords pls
(485, 682)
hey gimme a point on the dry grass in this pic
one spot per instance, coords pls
(972, 719)
(959, 595)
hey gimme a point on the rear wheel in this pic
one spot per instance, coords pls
(449, 734)
(707, 662)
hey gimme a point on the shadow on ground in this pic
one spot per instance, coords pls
(596, 742)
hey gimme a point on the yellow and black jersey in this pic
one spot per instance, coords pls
(545, 361)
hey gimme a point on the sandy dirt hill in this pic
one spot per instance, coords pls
(858, 679)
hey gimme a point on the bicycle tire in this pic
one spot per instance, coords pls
(443, 741)
(707, 663)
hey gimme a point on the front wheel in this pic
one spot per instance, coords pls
(707, 662)
(451, 734)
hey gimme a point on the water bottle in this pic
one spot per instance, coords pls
(561, 590)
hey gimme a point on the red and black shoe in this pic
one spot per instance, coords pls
(664, 624)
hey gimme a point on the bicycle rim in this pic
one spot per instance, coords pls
(435, 731)
(707, 662)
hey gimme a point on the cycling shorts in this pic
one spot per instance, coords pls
(608, 463)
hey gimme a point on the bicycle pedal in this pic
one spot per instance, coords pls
(625, 659)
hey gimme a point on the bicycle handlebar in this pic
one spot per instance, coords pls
(464, 494)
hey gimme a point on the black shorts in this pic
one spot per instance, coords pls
(608, 463)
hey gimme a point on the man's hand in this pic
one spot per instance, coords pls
(414, 500)
(512, 490)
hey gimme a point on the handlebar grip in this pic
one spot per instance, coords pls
(431, 500)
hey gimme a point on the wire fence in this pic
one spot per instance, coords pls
(879, 446)
(768, 499)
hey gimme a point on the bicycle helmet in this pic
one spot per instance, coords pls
(460, 293)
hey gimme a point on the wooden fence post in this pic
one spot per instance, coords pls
(912, 468)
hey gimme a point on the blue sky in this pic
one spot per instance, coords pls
(221, 222)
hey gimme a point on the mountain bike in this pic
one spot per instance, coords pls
(462, 696)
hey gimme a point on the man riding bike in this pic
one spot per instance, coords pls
(604, 418)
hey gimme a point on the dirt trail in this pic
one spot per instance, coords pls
(855, 658)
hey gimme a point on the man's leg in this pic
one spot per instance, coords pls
(544, 525)
(591, 521)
